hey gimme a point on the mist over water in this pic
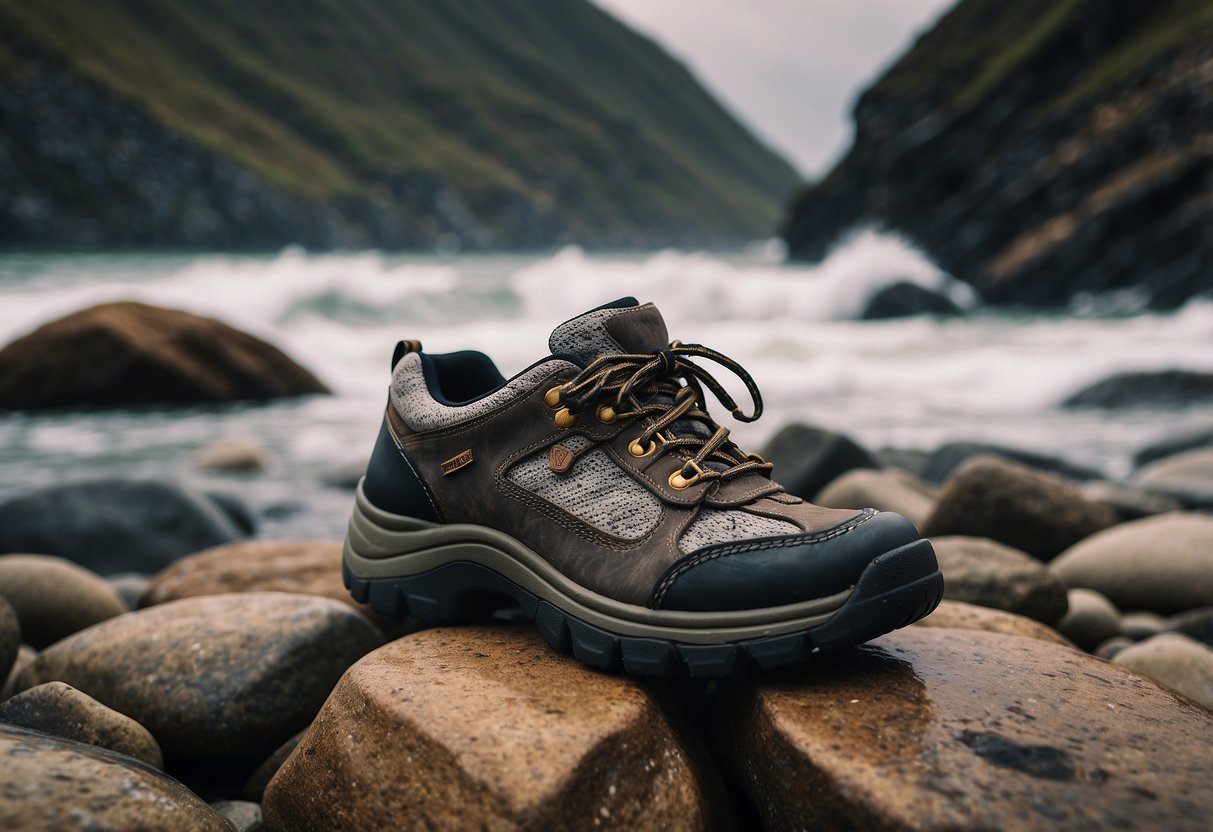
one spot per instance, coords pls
(909, 383)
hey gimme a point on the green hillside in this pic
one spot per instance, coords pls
(547, 104)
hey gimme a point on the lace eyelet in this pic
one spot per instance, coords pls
(552, 397)
(678, 482)
(637, 450)
(565, 418)
(606, 414)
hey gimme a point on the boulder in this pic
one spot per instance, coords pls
(1029, 510)
(1196, 624)
(128, 353)
(1171, 445)
(10, 635)
(947, 458)
(487, 727)
(1168, 388)
(1130, 502)
(1162, 564)
(53, 784)
(1139, 626)
(935, 729)
(903, 299)
(807, 458)
(232, 455)
(1091, 620)
(62, 711)
(220, 677)
(989, 574)
(1176, 661)
(888, 490)
(1186, 476)
(54, 597)
(957, 615)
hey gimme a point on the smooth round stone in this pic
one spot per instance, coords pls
(25, 655)
(53, 784)
(1128, 501)
(54, 597)
(957, 615)
(935, 729)
(244, 815)
(1162, 564)
(130, 587)
(232, 455)
(1112, 646)
(887, 490)
(62, 711)
(1195, 624)
(1176, 661)
(1028, 510)
(219, 677)
(987, 573)
(1138, 626)
(1188, 476)
(1092, 619)
(10, 636)
(947, 458)
(489, 728)
(808, 458)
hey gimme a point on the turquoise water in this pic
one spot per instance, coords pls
(910, 383)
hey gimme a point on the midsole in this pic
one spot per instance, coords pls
(384, 545)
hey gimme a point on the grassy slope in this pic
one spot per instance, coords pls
(324, 97)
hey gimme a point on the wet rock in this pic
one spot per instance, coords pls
(243, 815)
(1168, 446)
(10, 635)
(1176, 661)
(232, 455)
(807, 458)
(254, 787)
(1112, 646)
(235, 507)
(1139, 626)
(888, 490)
(1128, 501)
(957, 615)
(1168, 388)
(54, 784)
(1186, 476)
(114, 525)
(25, 655)
(1092, 619)
(139, 354)
(1031, 511)
(1196, 624)
(54, 597)
(907, 459)
(933, 729)
(947, 458)
(487, 727)
(221, 677)
(1163, 564)
(903, 299)
(989, 574)
(129, 586)
(62, 711)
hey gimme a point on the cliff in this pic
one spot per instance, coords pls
(1038, 150)
(393, 123)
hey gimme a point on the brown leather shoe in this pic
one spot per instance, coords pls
(595, 491)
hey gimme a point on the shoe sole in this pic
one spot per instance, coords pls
(451, 575)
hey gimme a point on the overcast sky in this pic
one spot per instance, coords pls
(790, 69)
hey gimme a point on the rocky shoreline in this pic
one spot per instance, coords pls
(1065, 682)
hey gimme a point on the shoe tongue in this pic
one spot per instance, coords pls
(623, 326)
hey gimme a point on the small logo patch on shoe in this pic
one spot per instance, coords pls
(459, 460)
(560, 458)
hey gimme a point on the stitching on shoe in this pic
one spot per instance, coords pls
(740, 548)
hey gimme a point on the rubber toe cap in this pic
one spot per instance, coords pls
(774, 571)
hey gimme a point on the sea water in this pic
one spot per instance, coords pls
(911, 383)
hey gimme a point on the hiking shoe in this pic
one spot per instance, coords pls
(594, 491)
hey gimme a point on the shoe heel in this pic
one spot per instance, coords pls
(458, 593)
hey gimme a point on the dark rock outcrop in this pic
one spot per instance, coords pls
(1169, 388)
(131, 353)
(1038, 151)
(903, 299)
(807, 459)
(946, 458)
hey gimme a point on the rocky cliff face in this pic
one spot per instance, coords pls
(1038, 150)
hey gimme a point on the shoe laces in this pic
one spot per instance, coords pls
(651, 384)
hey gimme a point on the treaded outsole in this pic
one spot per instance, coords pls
(896, 589)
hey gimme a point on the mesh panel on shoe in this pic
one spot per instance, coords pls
(421, 412)
(585, 336)
(595, 490)
(714, 526)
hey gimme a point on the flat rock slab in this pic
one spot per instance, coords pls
(1163, 564)
(54, 785)
(220, 677)
(487, 728)
(54, 597)
(933, 729)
